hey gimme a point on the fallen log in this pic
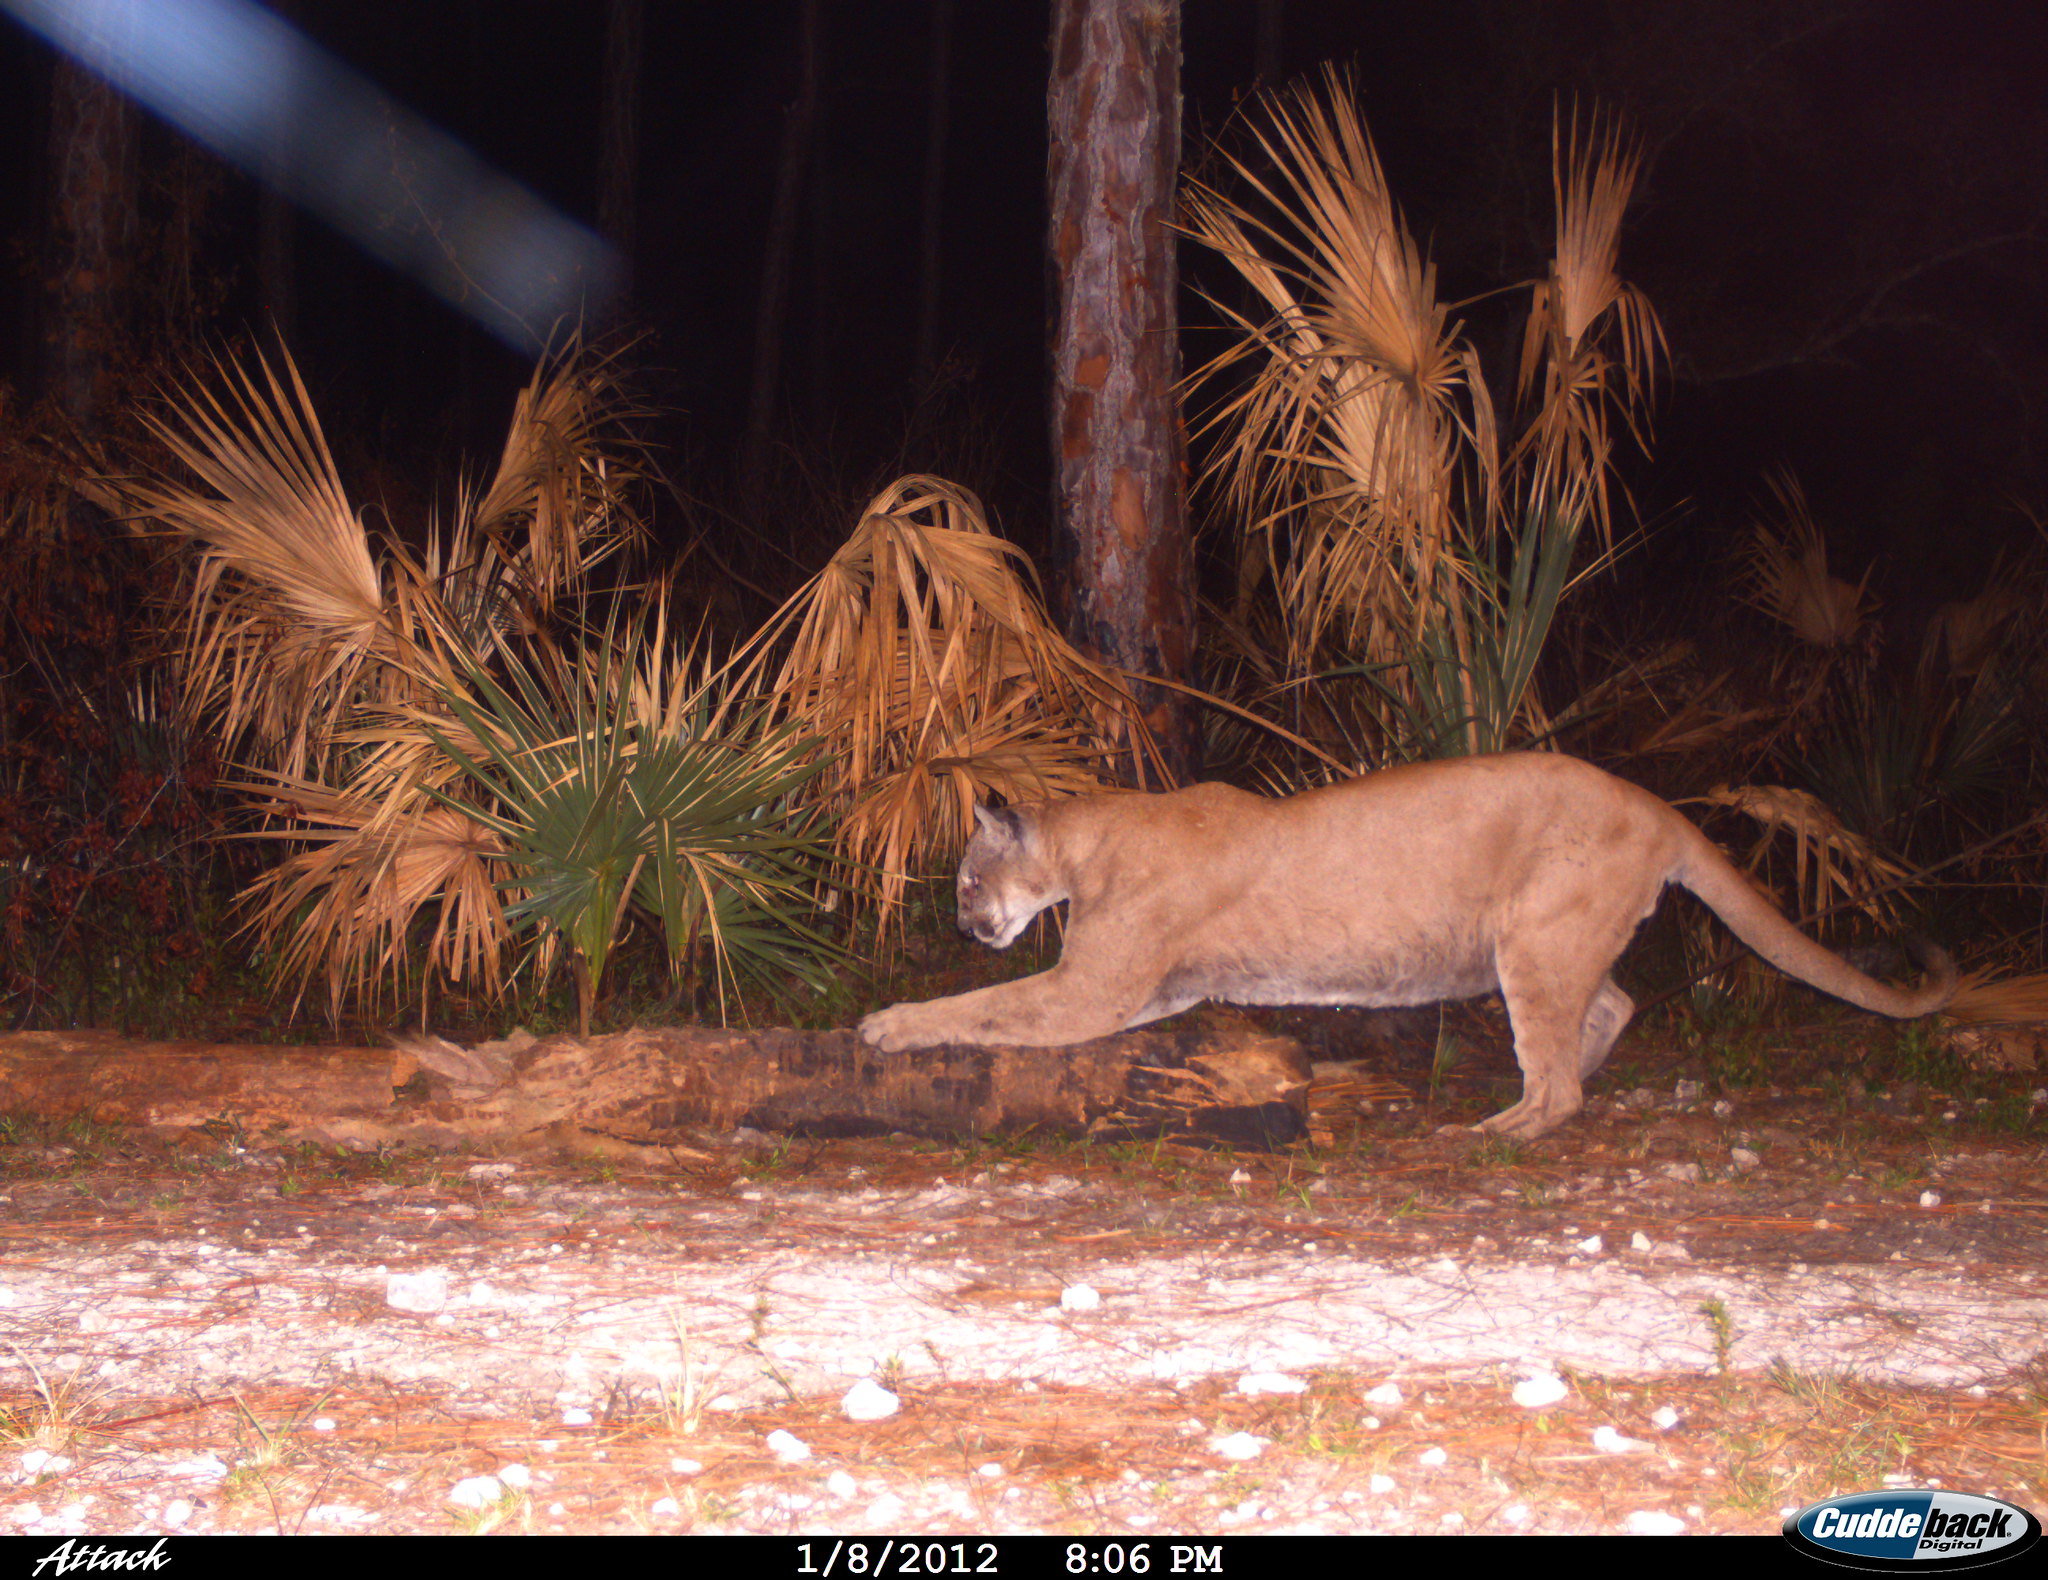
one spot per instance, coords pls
(660, 1086)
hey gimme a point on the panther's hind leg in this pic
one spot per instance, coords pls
(1553, 1012)
(1606, 1018)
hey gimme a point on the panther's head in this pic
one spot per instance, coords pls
(1005, 877)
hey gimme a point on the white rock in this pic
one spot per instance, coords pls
(476, 1492)
(1664, 1418)
(1380, 1486)
(1650, 1522)
(1609, 1441)
(1930, 1198)
(788, 1447)
(1079, 1297)
(841, 1485)
(208, 1466)
(665, 1508)
(1387, 1396)
(515, 1476)
(1270, 1382)
(425, 1291)
(1540, 1390)
(868, 1400)
(1432, 1457)
(1592, 1245)
(1239, 1445)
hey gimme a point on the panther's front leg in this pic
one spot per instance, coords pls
(1049, 1010)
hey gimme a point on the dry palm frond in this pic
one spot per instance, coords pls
(287, 611)
(1840, 863)
(1965, 636)
(562, 484)
(1345, 450)
(328, 659)
(1592, 342)
(343, 906)
(924, 665)
(1787, 575)
(1982, 999)
(1696, 726)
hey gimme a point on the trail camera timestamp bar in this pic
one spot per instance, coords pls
(1027, 1556)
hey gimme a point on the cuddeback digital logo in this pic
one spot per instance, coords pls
(1912, 1529)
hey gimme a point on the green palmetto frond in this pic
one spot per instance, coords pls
(1592, 342)
(1473, 689)
(1365, 412)
(618, 780)
(925, 667)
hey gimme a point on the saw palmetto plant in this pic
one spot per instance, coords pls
(298, 614)
(1592, 342)
(923, 664)
(1831, 862)
(1786, 576)
(1474, 690)
(1361, 424)
(626, 778)
(446, 780)
(1356, 442)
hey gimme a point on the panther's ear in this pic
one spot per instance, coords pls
(999, 823)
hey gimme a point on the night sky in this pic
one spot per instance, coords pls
(1842, 225)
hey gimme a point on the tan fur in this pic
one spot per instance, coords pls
(1526, 873)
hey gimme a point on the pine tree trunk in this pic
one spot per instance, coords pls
(938, 118)
(1120, 505)
(90, 240)
(618, 174)
(798, 123)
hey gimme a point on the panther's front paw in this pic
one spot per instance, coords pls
(893, 1030)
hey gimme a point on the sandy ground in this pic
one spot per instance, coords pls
(221, 1336)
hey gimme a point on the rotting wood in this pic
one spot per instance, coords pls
(660, 1086)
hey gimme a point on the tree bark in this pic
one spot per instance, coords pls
(1120, 506)
(773, 310)
(654, 1087)
(618, 168)
(1266, 48)
(277, 278)
(932, 204)
(91, 238)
